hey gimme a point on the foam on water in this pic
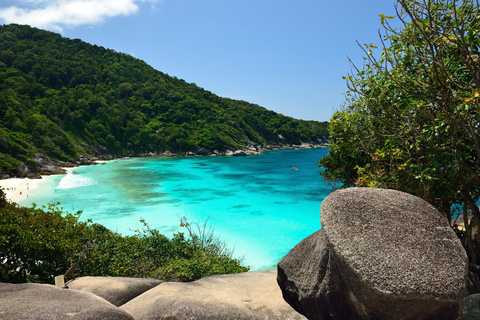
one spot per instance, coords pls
(257, 204)
(73, 180)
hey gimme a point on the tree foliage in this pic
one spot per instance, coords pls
(37, 244)
(411, 120)
(64, 98)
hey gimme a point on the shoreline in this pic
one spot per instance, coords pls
(163, 214)
(50, 166)
(17, 189)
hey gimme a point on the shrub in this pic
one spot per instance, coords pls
(37, 244)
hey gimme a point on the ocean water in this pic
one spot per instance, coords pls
(256, 204)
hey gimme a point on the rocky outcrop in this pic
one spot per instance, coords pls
(42, 301)
(470, 308)
(310, 283)
(116, 290)
(250, 295)
(381, 254)
(22, 170)
(48, 166)
(239, 153)
(204, 152)
(45, 166)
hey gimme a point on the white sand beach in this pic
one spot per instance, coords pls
(17, 189)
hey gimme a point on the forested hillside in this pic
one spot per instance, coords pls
(65, 98)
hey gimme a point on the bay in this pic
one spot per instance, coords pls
(257, 204)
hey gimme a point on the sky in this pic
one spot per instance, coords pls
(286, 56)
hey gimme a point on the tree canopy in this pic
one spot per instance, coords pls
(64, 98)
(411, 120)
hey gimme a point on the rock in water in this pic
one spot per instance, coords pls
(381, 254)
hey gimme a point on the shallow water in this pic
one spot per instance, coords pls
(257, 204)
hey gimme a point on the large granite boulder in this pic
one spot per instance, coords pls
(249, 295)
(381, 254)
(116, 290)
(28, 301)
(311, 284)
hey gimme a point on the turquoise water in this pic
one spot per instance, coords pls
(257, 204)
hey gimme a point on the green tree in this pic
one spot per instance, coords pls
(411, 120)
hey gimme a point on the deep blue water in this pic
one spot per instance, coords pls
(257, 204)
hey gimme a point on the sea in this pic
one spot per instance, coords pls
(258, 205)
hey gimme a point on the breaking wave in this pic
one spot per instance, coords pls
(72, 180)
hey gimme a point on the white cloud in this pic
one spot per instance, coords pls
(56, 14)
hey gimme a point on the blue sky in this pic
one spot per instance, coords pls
(287, 56)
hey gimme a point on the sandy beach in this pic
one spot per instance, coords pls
(17, 189)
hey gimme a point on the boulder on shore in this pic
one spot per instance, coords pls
(22, 170)
(44, 166)
(204, 152)
(43, 301)
(249, 295)
(381, 254)
(116, 290)
(239, 153)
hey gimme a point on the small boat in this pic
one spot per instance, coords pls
(294, 168)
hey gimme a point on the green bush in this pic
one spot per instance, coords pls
(37, 244)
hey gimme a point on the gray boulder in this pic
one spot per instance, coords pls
(470, 308)
(311, 284)
(46, 167)
(28, 301)
(4, 176)
(381, 254)
(22, 170)
(249, 295)
(204, 152)
(33, 175)
(239, 153)
(116, 290)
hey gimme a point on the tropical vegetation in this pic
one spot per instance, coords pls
(411, 120)
(37, 244)
(66, 98)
